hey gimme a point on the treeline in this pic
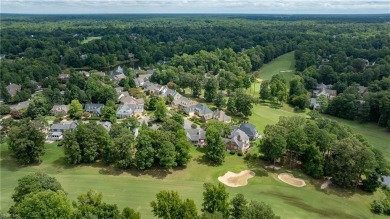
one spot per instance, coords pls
(325, 148)
(165, 148)
(39, 196)
(347, 61)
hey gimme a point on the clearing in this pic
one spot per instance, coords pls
(89, 39)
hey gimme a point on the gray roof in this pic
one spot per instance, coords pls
(60, 108)
(106, 125)
(203, 109)
(195, 134)
(95, 108)
(13, 89)
(221, 116)
(249, 129)
(150, 71)
(63, 126)
(239, 138)
(21, 105)
(129, 109)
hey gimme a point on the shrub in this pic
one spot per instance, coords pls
(376, 207)
(194, 126)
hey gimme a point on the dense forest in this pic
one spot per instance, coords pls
(344, 51)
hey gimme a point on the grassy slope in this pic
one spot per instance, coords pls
(284, 64)
(137, 189)
(88, 39)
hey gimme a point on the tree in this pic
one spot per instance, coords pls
(258, 210)
(75, 109)
(144, 157)
(273, 147)
(45, 204)
(170, 206)
(39, 105)
(313, 162)
(26, 143)
(265, 93)
(167, 154)
(238, 206)
(129, 213)
(215, 198)
(33, 183)
(90, 205)
(4, 109)
(71, 147)
(161, 110)
(215, 150)
(219, 100)
(351, 159)
(182, 148)
(122, 150)
(109, 114)
(211, 89)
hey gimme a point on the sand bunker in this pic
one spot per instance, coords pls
(291, 180)
(236, 179)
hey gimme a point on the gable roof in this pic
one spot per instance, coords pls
(60, 108)
(239, 138)
(195, 134)
(63, 126)
(221, 116)
(203, 109)
(249, 129)
(95, 108)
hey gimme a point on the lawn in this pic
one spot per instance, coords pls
(89, 39)
(284, 65)
(137, 189)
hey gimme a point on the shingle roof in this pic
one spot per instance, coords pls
(249, 129)
(195, 134)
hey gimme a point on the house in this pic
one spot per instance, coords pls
(119, 77)
(150, 71)
(94, 108)
(141, 79)
(238, 141)
(2, 56)
(63, 77)
(59, 109)
(326, 90)
(362, 90)
(13, 89)
(186, 105)
(119, 90)
(118, 71)
(85, 74)
(196, 136)
(100, 73)
(221, 116)
(19, 106)
(174, 94)
(128, 110)
(106, 125)
(203, 112)
(55, 136)
(63, 126)
(125, 98)
(153, 88)
(249, 130)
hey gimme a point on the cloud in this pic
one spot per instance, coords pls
(195, 6)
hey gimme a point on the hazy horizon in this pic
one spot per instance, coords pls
(194, 7)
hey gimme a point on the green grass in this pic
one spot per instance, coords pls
(89, 39)
(284, 65)
(137, 189)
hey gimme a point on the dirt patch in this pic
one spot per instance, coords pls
(325, 184)
(291, 180)
(236, 179)
(272, 167)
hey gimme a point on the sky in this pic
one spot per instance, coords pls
(195, 6)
